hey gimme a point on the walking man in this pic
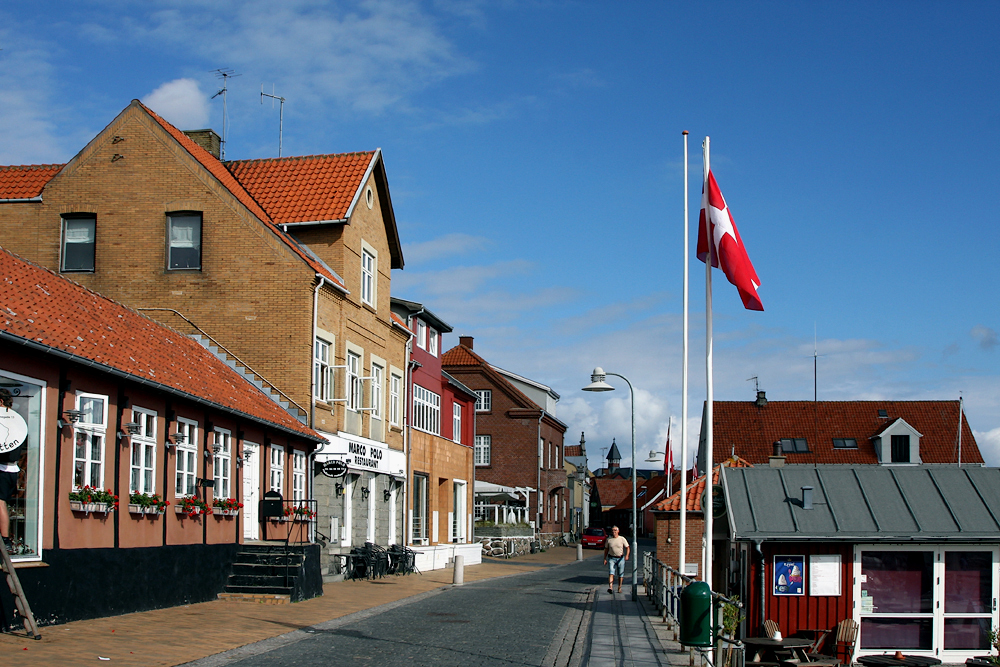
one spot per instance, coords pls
(617, 552)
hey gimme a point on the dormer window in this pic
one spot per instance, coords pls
(903, 444)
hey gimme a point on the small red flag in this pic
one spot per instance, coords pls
(728, 253)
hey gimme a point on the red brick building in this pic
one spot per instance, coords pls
(519, 441)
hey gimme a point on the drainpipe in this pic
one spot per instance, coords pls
(538, 489)
(311, 462)
(407, 432)
(763, 579)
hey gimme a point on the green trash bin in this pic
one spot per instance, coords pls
(696, 615)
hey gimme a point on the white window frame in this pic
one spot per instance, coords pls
(421, 335)
(377, 390)
(142, 469)
(483, 450)
(456, 422)
(369, 274)
(484, 400)
(298, 476)
(276, 469)
(187, 452)
(460, 492)
(426, 410)
(432, 342)
(355, 395)
(323, 367)
(420, 515)
(222, 464)
(90, 461)
(395, 399)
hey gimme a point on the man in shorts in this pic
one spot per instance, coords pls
(616, 552)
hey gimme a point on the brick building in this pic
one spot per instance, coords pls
(280, 266)
(440, 432)
(109, 399)
(519, 441)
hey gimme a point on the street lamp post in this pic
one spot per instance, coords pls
(597, 383)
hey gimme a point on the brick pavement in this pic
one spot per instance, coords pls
(172, 636)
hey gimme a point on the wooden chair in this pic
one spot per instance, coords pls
(770, 629)
(843, 646)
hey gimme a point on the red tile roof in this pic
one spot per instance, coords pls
(460, 355)
(45, 310)
(612, 491)
(694, 491)
(753, 430)
(27, 181)
(310, 188)
(645, 489)
(573, 450)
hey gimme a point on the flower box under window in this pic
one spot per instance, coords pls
(97, 508)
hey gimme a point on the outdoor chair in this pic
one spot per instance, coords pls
(843, 646)
(771, 629)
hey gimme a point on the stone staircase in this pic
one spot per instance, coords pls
(265, 573)
(251, 377)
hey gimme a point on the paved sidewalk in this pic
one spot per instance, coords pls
(176, 635)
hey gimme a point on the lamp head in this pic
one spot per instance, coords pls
(597, 382)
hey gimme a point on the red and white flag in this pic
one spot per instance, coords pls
(729, 254)
(668, 462)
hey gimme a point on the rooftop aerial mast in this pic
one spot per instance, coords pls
(225, 74)
(281, 110)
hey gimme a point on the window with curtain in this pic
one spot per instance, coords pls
(142, 478)
(88, 458)
(184, 236)
(79, 243)
(222, 463)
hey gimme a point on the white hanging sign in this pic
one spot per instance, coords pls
(13, 430)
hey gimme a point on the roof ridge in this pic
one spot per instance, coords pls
(302, 157)
(32, 166)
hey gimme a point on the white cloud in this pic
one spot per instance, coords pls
(449, 245)
(26, 106)
(989, 445)
(985, 336)
(181, 102)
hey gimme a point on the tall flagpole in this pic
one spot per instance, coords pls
(709, 463)
(684, 375)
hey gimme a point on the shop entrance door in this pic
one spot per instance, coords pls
(251, 491)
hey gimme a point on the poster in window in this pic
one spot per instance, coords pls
(824, 574)
(789, 575)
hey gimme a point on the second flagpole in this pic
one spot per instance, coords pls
(709, 463)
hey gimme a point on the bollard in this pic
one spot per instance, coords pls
(459, 577)
(579, 552)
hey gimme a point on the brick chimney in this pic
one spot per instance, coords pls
(466, 341)
(207, 139)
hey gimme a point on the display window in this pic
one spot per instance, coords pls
(21, 409)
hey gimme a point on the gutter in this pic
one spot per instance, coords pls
(159, 386)
(408, 430)
(25, 200)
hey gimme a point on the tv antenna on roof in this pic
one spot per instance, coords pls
(756, 383)
(225, 74)
(281, 110)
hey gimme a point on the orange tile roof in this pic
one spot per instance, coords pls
(651, 486)
(27, 181)
(462, 356)
(694, 490)
(572, 450)
(45, 310)
(309, 188)
(752, 430)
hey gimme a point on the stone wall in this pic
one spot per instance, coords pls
(512, 547)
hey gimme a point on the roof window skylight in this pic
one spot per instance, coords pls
(794, 446)
(845, 443)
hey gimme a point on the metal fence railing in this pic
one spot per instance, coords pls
(663, 588)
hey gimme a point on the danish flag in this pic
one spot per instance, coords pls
(728, 252)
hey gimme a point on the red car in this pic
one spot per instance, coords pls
(594, 537)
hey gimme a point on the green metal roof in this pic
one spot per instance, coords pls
(859, 503)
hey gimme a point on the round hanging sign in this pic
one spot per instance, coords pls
(334, 468)
(13, 430)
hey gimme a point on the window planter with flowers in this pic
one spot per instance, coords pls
(299, 513)
(226, 507)
(147, 503)
(90, 499)
(192, 506)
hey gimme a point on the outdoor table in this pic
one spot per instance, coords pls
(888, 660)
(766, 647)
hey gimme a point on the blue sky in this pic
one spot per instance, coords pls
(534, 157)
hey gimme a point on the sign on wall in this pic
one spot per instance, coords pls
(824, 574)
(789, 575)
(13, 430)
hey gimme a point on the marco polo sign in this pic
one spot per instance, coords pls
(361, 454)
(13, 430)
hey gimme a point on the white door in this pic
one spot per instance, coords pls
(371, 509)
(251, 491)
(345, 540)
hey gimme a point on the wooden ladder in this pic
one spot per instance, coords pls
(20, 601)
